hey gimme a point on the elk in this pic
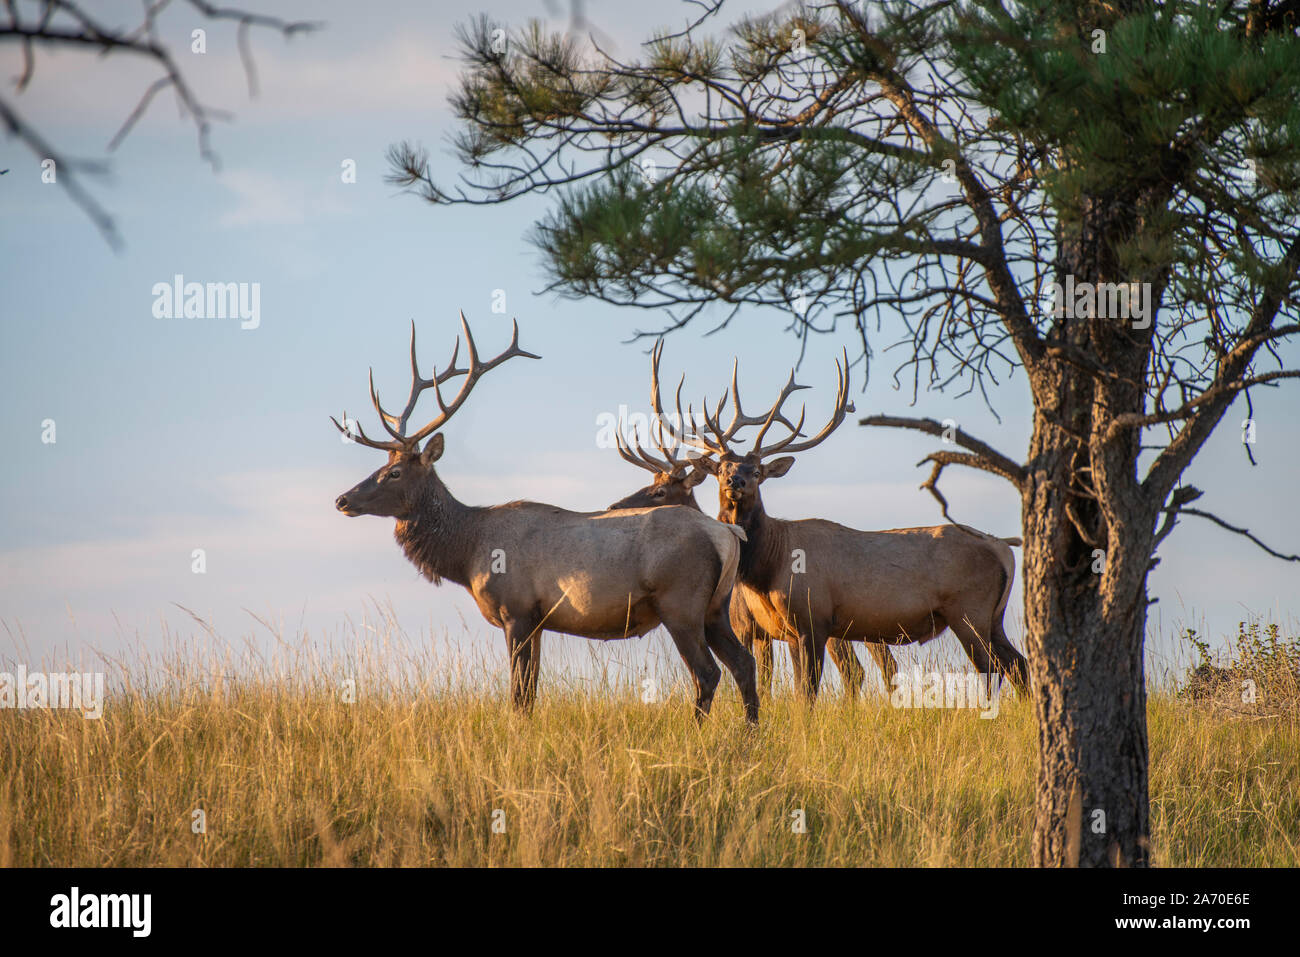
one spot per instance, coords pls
(897, 586)
(674, 484)
(529, 566)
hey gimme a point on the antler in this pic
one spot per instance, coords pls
(842, 408)
(724, 437)
(643, 459)
(662, 426)
(721, 445)
(396, 425)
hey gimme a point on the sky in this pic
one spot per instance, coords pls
(176, 434)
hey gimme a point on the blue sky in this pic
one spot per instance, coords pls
(175, 434)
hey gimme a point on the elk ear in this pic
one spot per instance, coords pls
(693, 478)
(705, 464)
(778, 467)
(432, 449)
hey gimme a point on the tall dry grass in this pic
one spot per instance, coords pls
(418, 767)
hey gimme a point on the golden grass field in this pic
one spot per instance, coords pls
(290, 774)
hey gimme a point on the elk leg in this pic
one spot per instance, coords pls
(694, 649)
(995, 656)
(846, 660)
(723, 642)
(756, 643)
(884, 659)
(976, 647)
(746, 639)
(809, 656)
(763, 659)
(1010, 662)
(754, 639)
(796, 663)
(524, 644)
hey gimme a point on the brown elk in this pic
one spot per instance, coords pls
(529, 567)
(674, 484)
(811, 580)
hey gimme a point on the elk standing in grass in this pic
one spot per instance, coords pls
(674, 484)
(811, 580)
(529, 567)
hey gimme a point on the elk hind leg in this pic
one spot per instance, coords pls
(846, 660)
(1009, 661)
(693, 646)
(884, 659)
(978, 648)
(740, 662)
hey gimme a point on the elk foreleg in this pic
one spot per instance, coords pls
(524, 645)
(763, 662)
(754, 639)
(808, 654)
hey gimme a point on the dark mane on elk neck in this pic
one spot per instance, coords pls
(763, 553)
(438, 539)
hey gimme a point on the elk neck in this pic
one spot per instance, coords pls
(441, 535)
(763, 552)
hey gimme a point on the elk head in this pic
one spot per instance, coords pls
(740, 474)
(395, 491)
(674, 479)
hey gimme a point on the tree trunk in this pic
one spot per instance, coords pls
(1085, 632)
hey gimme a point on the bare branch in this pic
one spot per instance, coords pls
(103, 222)
(986, 457)
(1178, 507)
(1181, 497)
(1133, 420)
(932, 484)
(65, 23)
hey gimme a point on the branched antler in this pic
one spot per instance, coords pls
(667, 433)
(724, 438)
(396, 425)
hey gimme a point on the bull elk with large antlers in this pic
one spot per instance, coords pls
(674, 484)
(529, 567)
(811, 580)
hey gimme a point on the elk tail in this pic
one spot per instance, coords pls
(729, 551)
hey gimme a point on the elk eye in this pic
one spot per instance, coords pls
(394, 473)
